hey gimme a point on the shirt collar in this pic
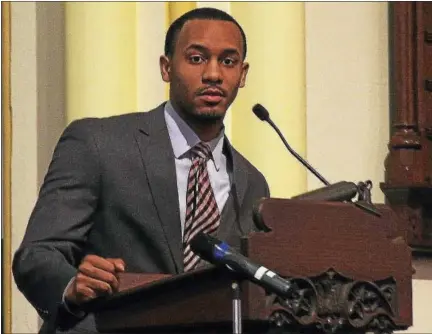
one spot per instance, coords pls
(183, 138)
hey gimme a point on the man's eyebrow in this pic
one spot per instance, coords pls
(231, 51)
(203, 49)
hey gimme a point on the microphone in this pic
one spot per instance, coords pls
(220, 253)
(263, 115)
(340, 191)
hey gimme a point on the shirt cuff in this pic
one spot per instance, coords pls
(72, 309)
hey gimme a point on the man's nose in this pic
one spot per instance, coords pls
(212, 72)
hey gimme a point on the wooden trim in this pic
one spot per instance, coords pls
(404, 54)
(7, 164)
(408, 165)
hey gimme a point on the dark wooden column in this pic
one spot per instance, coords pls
(408, 166)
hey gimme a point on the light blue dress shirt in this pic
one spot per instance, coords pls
(183, 138)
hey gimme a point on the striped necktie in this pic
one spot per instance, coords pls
(202, 213)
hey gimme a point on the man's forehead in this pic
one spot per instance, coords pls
(218, 30)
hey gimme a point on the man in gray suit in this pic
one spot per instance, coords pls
(127, 193)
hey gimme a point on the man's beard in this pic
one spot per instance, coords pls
(207, 117)
(187, 109)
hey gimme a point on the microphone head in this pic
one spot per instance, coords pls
(261, 112)
(204, 245)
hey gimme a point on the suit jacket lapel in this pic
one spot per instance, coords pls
(240, 175)
(231, 211)
(159, 162)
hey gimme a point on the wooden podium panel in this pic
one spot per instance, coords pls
(351, 272)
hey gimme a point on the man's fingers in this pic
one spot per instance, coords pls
(100, 275)
(118, 264)
(111, 265)
(84, 294)
(100, 288)
(100, 263)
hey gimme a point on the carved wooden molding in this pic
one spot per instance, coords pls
(331, 303)
(408, 177)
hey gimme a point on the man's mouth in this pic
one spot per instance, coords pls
(211, 98)
(212, 95)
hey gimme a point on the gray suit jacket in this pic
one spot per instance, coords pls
(111, 190)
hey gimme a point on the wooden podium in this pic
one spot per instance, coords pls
(351, 272)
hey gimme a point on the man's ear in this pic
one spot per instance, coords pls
(165, 68)
(245, 69)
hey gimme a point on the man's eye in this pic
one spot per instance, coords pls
(228, 62)
(196, 59)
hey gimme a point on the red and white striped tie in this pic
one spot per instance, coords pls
(202, 213)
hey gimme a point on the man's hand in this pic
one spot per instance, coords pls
(96, 277)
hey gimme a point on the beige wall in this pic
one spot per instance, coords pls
(347, 108)
(151, 90)
(24, 142)
(37, 85)
(347, 91)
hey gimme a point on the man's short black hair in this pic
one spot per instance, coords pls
(198, 14)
